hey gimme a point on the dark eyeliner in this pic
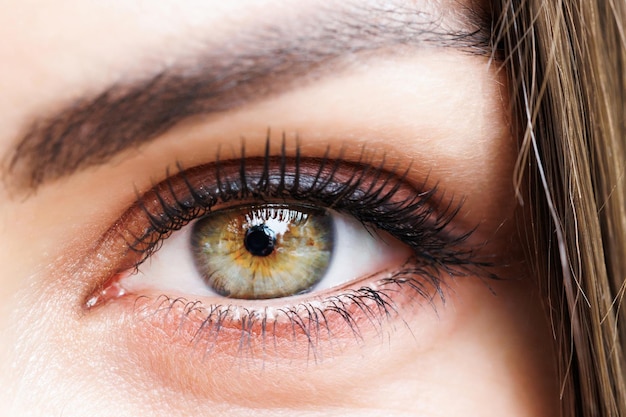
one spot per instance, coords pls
(380, 199)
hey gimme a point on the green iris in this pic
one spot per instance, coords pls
(263, 251)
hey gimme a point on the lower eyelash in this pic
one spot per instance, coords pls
(276, 331)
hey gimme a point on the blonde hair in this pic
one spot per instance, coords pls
(566, 61)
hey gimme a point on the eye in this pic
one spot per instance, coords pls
(282, 247)
(266, 251)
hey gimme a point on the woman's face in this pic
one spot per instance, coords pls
(347, 268)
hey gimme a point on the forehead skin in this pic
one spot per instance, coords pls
(436, 108)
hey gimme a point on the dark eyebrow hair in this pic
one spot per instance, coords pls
(256, 64)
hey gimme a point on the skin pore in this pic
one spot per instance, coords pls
(422, 92)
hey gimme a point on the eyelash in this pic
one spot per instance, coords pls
(410, 221)
(382, 200)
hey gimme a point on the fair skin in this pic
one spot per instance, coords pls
(439, 113)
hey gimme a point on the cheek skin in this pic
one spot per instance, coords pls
(505, 362)
(485, 354)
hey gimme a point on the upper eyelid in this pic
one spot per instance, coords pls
(198, 178)
(419, 213)
(231, 182)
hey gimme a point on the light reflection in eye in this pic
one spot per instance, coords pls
(315, 249)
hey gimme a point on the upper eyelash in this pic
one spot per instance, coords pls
(421, 222)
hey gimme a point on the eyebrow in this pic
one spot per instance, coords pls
(256, 64)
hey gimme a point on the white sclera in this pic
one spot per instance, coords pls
(357, 253)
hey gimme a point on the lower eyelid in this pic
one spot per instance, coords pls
(165, 343)
(286, 329)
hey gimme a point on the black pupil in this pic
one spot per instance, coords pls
(260, 240)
